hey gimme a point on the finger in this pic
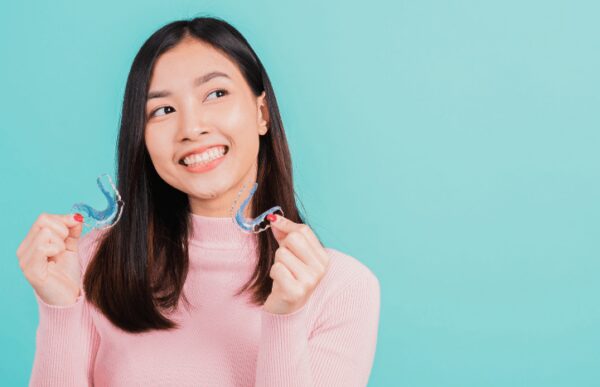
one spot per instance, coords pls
(57, 223)
(301, 272)
(69, 221)
(72, 244)
(45, 236)
(278, 234)
(284, 224)
(44, 220)
(72, 241)
(298, 244)
(285, 280)
(315, 243)
(288, 226)
(70, 230)
(46, 244)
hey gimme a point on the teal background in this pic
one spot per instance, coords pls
(451, 146)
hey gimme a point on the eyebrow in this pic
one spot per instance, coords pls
(197, 82)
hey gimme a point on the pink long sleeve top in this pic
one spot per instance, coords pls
(224, 340)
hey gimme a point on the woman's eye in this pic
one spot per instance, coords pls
(164, 107)
(220, 90)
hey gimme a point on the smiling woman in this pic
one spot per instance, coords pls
(161, 294)
(202, 115)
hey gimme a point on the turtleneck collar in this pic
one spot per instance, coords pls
(219, 233)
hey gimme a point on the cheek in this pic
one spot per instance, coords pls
(158, 150)
(238, 115)
(232, 114)
(245, 146)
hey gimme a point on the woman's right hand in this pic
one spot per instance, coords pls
(49, 258)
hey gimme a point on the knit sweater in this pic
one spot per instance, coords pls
(225, 340)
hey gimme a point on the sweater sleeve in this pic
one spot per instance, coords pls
(339, 351)
(66, 342)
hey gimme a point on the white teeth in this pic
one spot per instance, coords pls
(206, 156)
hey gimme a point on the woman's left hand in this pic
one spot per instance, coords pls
(300, 264)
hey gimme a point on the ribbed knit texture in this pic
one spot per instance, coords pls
(223, 340)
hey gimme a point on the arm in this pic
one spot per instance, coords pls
(66, 345)
(66, 338)
(338, 352)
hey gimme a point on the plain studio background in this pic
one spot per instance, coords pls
(451, 146)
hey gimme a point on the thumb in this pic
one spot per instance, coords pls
(74, 222)
(75, 231)
(277, 233)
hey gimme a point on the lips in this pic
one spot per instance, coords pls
(200, 150)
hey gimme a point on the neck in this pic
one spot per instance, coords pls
(227, 203)
(219, 233)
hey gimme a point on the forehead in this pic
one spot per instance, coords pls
(187, 60)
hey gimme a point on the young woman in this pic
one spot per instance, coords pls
(275, 308)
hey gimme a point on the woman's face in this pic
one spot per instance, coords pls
(183, 115)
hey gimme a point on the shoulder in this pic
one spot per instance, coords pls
(346, 271)
(348, 294)
(346, 268)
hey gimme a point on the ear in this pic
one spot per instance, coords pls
(263, 113)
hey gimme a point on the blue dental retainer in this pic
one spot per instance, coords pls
(108, 217)
(258, 224)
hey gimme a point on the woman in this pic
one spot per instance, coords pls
(270, 309)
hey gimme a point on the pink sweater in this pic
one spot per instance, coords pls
(225, 341)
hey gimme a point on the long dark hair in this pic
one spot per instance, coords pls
(140, 264)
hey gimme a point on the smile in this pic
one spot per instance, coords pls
(205, 161)
(205, 157)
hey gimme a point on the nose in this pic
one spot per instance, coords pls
(191, 124)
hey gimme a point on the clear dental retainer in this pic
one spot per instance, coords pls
(256, 225)
(108, 217)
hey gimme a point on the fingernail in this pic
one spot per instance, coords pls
(271, 217)
(78, 217)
